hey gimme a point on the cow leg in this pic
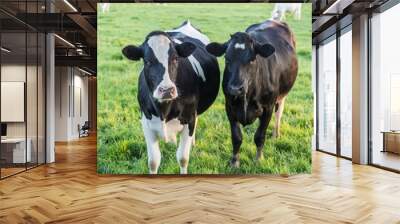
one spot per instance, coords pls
(194, 132)
(153, 150)
(298, 14)
(236, 135)
(259, 137)
(283, 15)
(278, 116)
(185, 144)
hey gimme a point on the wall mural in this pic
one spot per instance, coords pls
(204, 89)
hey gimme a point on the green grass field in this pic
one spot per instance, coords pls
(121, 146)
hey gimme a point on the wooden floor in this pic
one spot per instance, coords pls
(70, 191)
(11, 170)
(387, 159)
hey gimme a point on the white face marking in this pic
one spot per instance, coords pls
(190, 31)
(240, 46)
(160, 46)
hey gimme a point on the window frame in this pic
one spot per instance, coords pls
(334, 37)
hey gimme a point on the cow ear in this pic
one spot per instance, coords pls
(216, 49)
(185, 49)
(265, 50)
(133, 52)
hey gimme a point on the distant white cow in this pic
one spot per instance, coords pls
(282, 8)
(105, 7)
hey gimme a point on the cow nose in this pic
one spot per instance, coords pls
(236, 90)
(167, 92)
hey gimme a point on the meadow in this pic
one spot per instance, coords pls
(121, 146)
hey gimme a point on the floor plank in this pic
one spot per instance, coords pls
(70, 191)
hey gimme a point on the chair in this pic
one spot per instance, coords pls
(84, 130)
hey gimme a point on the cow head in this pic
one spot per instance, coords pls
(160, 56)
(240, 60)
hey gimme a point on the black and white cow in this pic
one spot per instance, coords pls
(260, 70)
(179, 81)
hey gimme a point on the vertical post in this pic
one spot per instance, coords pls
(369, 83)
(37, 90)
(315, 90)
(50, 93)
(360, 90)
(26, 87)
(338, 73)
(0, 95)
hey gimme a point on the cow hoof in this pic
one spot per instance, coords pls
(235, 163)
(260, 156)
(183, 171)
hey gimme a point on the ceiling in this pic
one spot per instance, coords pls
(330, 15)
(74, 22)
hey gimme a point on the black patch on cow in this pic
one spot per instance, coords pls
(185, 49)
(264, 50)
(132, 52)
(216, 49)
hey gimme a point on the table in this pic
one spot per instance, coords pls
(13, 150)
(391, 141)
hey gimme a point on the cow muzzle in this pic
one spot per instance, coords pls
(164, 93)
(236, 90)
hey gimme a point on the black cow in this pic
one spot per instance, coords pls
(260, 70)
(179, 81)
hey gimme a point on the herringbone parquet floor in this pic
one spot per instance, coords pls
(70, 191)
